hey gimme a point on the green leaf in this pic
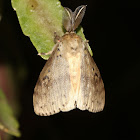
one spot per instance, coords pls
(39, 19)
(8, 122)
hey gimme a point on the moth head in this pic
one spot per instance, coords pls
(71, 20)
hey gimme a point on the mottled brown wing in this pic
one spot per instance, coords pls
(92, 93)
(52, 91)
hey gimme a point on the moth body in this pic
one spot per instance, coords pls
(70, 78)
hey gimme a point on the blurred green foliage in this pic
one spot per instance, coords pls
(8, 122)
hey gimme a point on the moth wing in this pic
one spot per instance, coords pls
(52, 91)
(92, 93)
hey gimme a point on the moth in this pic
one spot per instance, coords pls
(70, 78)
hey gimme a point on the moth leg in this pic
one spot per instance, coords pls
(86, 43)
(56, 38)
(86, 46)
(50, 52)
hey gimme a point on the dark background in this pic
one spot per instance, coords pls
(112, 28)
